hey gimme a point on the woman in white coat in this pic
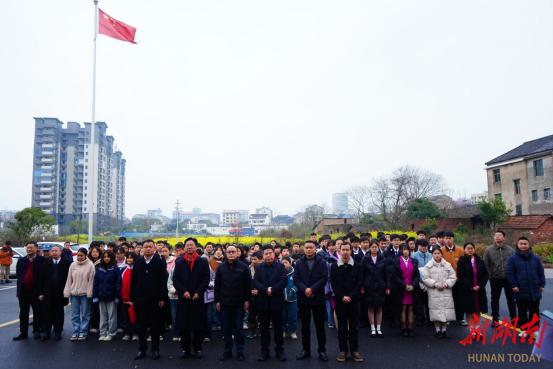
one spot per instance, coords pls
(439, 277)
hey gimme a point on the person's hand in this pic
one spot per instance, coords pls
(196, 296)
(161, 304)
(542, 289)
(95, 300)
(131, 303)
(254, 292)
(477, 288)
(41, 297)
(516, 289)
(387, 291)
(444, 286)
(308, 292)
(246, 305)
(116, 301)
(218, 305)
(187, 295)
(346, 300)
(269, 291)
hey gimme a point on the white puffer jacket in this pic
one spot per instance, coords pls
(440, 303)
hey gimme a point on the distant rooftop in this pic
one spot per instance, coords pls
(540, 145)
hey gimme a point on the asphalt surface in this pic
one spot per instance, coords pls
(393, 351)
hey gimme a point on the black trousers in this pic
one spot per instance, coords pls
(265, 317)
(458, 313)
(498, 284)
(53, 316)
(348, 314)
(319, 312)
(422, 308)
(187, 342)
(363, 313)
(27, 299)
(147, 316)
(526, 311)
(95, 316)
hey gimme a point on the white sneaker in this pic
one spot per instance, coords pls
(135, 338)
(294, 336)
(207, 339)
(149, 339)
(93, 330)
(126, 338)
(284, 335)
(161, 338)
(522, 334)
(120, 330)
(82, 338)
(102, 338)
(108, 338)
(74, 338)
(245, 326)
(175, 339)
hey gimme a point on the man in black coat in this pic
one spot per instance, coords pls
(191, 278)
(270, 281)
(148, 293)
(29, 270)
(310, 276)
(233, 293)
(346, 278)
(391, 253)
(52, 283)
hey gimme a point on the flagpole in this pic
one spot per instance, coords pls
(92, 149)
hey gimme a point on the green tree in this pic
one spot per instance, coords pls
(423, 208)
(430, 225)
(494, 212)
(30, 223)
(74, 227)
(366, 219)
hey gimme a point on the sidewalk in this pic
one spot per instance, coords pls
(548, 273)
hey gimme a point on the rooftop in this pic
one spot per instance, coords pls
(537, 146)
(525, 222)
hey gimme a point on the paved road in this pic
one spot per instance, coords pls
(393, 351)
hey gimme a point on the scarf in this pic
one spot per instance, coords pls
(191, 263)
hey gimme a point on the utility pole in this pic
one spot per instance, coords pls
(79, 230)
(178, 211)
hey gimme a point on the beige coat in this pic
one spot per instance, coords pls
(80, 280)
(440, 303)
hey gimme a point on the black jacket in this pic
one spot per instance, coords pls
(398, 284)
(277, 282)
(315, 279)
(67, 255)
(149, 281)
(47, 287)
(465, 274)
(346, 280)
(21, 269)
(376, 280)
(233, 287)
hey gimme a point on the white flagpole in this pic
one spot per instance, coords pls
(92, 146)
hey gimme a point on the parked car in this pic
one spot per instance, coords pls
(18, 252)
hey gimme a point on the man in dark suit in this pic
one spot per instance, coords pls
(29, 270)
(392, 252)
(310, 276)
(270, 281)
(191, 278)
(148, 293)
(52, 283)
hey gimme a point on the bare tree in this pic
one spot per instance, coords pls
(359, 199)
(393, 193)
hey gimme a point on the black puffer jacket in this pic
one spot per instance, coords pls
(233, 286)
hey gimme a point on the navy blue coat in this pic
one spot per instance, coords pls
(375, 280)
(21, 269)
(105, 284)
(525, 271)
(277, 282)
(315, 279)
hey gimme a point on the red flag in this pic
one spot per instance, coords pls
(114, 28)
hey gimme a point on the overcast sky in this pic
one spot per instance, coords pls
(239, 104)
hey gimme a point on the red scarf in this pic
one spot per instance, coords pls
(126, 285)
(191, 264)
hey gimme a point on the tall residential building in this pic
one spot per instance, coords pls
(265, 210)
(242, 218)
(61, 160)
(339, 203)
(523, 177)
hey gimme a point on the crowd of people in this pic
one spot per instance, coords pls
(145, 289)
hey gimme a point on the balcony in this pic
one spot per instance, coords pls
(44, 203)
(47, 160)
(45, 167)
(45, 196)
(48, 145)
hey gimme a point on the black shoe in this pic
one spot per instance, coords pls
(373, 334)
(439, 335)
(36, 335)
(303, 355)
(57, 336)
(44, 337)
(379, 334)
(184, 355)
(323, 357)
(404, 333)
(410, 333)
(240, 356)
(21, 336)
(155, 355)
(198, 355)
(445, 335)
(264, 356)
(8, 281)
(226, 355)
(280, 356)
(140, 355)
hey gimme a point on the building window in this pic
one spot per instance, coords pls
(496, 175)
(547, 194)
(517, 186)
(519, 210)
(534, 195)
(498, 196)
(538, 167)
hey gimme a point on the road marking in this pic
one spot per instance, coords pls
(12, 322)
(7, 288)
(500, 321)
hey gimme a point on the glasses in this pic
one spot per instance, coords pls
(231, 252)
